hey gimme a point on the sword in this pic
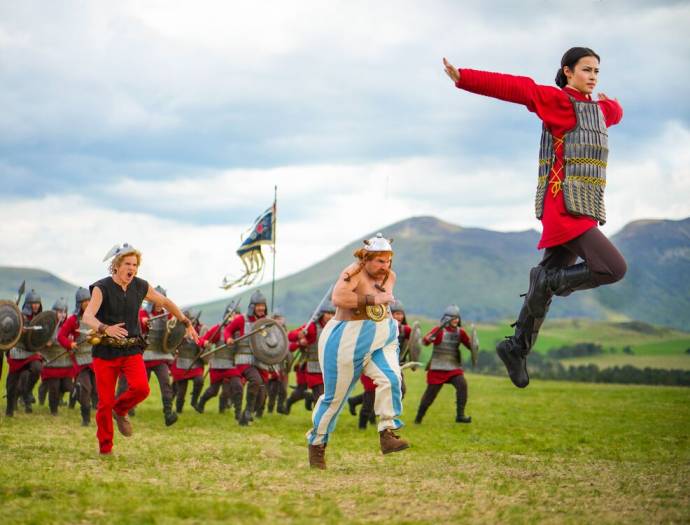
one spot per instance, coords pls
(20, 292)
(159, 316)
(318, 308)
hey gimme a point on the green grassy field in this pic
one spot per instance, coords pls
(555, 453)
(652, 346)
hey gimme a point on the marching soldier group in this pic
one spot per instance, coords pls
(249, 356)
(64, 362)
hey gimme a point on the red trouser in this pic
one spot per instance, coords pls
(107, 372)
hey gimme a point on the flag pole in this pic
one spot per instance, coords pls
(275, 230)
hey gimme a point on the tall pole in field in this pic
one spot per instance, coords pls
(275, 229)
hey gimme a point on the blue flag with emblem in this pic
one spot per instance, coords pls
(262, 232)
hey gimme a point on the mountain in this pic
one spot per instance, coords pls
(656, 287)
(48, 286)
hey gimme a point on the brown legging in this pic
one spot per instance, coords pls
(87, 386)
(56, 387)
(432, 391)
(180, 388)
(22, 383)
(603, 259)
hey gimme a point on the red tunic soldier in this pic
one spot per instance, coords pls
(225, 377)
(445, 365)
(188, 367)
(24, 365)
(58, 373)
(306, 338)
(74, 336)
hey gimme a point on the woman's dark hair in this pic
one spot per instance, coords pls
(570, 58)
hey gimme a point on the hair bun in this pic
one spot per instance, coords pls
(561, 79)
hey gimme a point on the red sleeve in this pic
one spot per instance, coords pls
(612, 110)
(293, 336)
(437, 338)
(550, 103)
(212, 335)
(311, 333)
(407, 331)
(293, 346)
(143, 325)
(68, 329)
(236, 325)
(465, 339)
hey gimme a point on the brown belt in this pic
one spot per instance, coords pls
(127, 342)
(360, 316)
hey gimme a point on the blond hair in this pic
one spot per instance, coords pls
(117, 260)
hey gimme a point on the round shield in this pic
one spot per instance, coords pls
(11, 324)
(270, 342)
(40, 330)
(174, 334)
(474, 345)
(415, 342)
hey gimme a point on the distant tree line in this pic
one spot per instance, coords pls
(546, 367)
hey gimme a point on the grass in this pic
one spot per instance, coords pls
(556, 452)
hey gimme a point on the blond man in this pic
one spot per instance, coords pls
(113, 312)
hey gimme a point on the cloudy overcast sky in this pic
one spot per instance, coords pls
(167, 124)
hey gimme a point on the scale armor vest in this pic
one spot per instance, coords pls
(186, 354)
(222, 359)
(312, 353)
(243, 352)
(585, 157)
(446, 355)
(154, 341)
(83, 352)
(64, 361)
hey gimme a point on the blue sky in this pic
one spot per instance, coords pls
(167, 125)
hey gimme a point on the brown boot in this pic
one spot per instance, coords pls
(317, 456)
(390, 442)
(123, 424)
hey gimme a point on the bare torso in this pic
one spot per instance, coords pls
(346, 291)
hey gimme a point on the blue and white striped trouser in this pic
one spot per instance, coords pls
(346, 349)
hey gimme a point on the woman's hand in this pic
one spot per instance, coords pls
(451, 71)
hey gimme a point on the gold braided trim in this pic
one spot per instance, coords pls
(596, 181)
(542, 162)
(586, 160)
(541, 181)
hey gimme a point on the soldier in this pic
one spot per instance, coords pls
(445, 365)
(362, 337)
(187, 366)
(301, 391)
(251, 369)
(58, 373)
(368, 397)
(24, 365)
(225, 377)
(74, 336)
(278, 379)
(114, 313)
(153, 320)
(307, 339)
